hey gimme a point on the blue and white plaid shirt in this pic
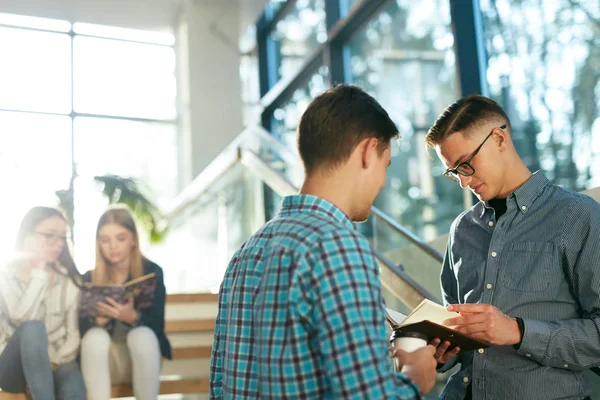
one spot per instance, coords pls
(301, 313)
(540, 261)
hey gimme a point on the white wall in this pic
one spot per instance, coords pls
(209, 79)
(209, 33)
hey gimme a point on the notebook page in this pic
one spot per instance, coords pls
(430, 311)
(394, 317)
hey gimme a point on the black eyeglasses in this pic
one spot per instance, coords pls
(465, 168)
(51, 238)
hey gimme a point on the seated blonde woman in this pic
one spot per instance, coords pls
(39, 307)
(122, 344)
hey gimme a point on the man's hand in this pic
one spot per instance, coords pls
(442, 355)
(485, 322)
(419, 366)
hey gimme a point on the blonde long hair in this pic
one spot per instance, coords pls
(120, 216)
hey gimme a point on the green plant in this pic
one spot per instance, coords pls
(122, 190)
(128, 191)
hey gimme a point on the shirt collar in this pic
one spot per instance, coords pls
(530, 190)
(309, 204)
(526, 194)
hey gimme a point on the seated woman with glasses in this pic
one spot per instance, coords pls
(39, 309)
(121, 344)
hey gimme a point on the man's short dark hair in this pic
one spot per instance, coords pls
(336, 121)
(464, 116)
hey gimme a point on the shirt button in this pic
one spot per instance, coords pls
(566, 365)
(466, 379)
(527, 355)
(494, 254)
(523, 208)
(480, 351)
(489, 286)
(491, 223)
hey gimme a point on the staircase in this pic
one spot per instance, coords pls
(190, 320)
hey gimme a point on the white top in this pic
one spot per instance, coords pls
(57, 306)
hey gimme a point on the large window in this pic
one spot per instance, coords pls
(286, 117)
(298, 34)
(75, 104)
(543, 69)
(35, 72)
(540, 60)
(141, 74)
(35, 161)
(404, 57)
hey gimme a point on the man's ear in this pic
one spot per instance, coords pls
(368, 148)
(501, 138)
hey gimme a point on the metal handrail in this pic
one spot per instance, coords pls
(411, 237)
(211, 173)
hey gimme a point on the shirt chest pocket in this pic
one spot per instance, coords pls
(531, 267)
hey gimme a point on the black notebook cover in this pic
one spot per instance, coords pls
(433, 330)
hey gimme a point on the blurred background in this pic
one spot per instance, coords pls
(186, 110)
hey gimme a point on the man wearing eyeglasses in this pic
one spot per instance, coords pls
(521, 267)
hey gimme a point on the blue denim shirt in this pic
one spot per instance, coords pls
(539, 261)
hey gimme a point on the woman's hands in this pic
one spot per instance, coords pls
(113, 310)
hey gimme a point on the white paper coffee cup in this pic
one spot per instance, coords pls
(407, 341)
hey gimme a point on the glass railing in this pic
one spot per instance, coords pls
(209, 228)
(419, 261)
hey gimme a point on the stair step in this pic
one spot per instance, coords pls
(179, 386)
(190, 325)
(189, 339)
(186, 368)
(184, 353)
(192, 298)
(175, 311)
(12, 396)
(199, 385)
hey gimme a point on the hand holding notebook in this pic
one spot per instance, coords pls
(428, 318)
(141, 290)
(487, 323)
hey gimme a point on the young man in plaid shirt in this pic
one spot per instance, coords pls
(301, 313)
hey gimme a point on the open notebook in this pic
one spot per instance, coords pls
(140, 289)
(428, 318)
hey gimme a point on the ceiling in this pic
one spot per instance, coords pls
(155, 15)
